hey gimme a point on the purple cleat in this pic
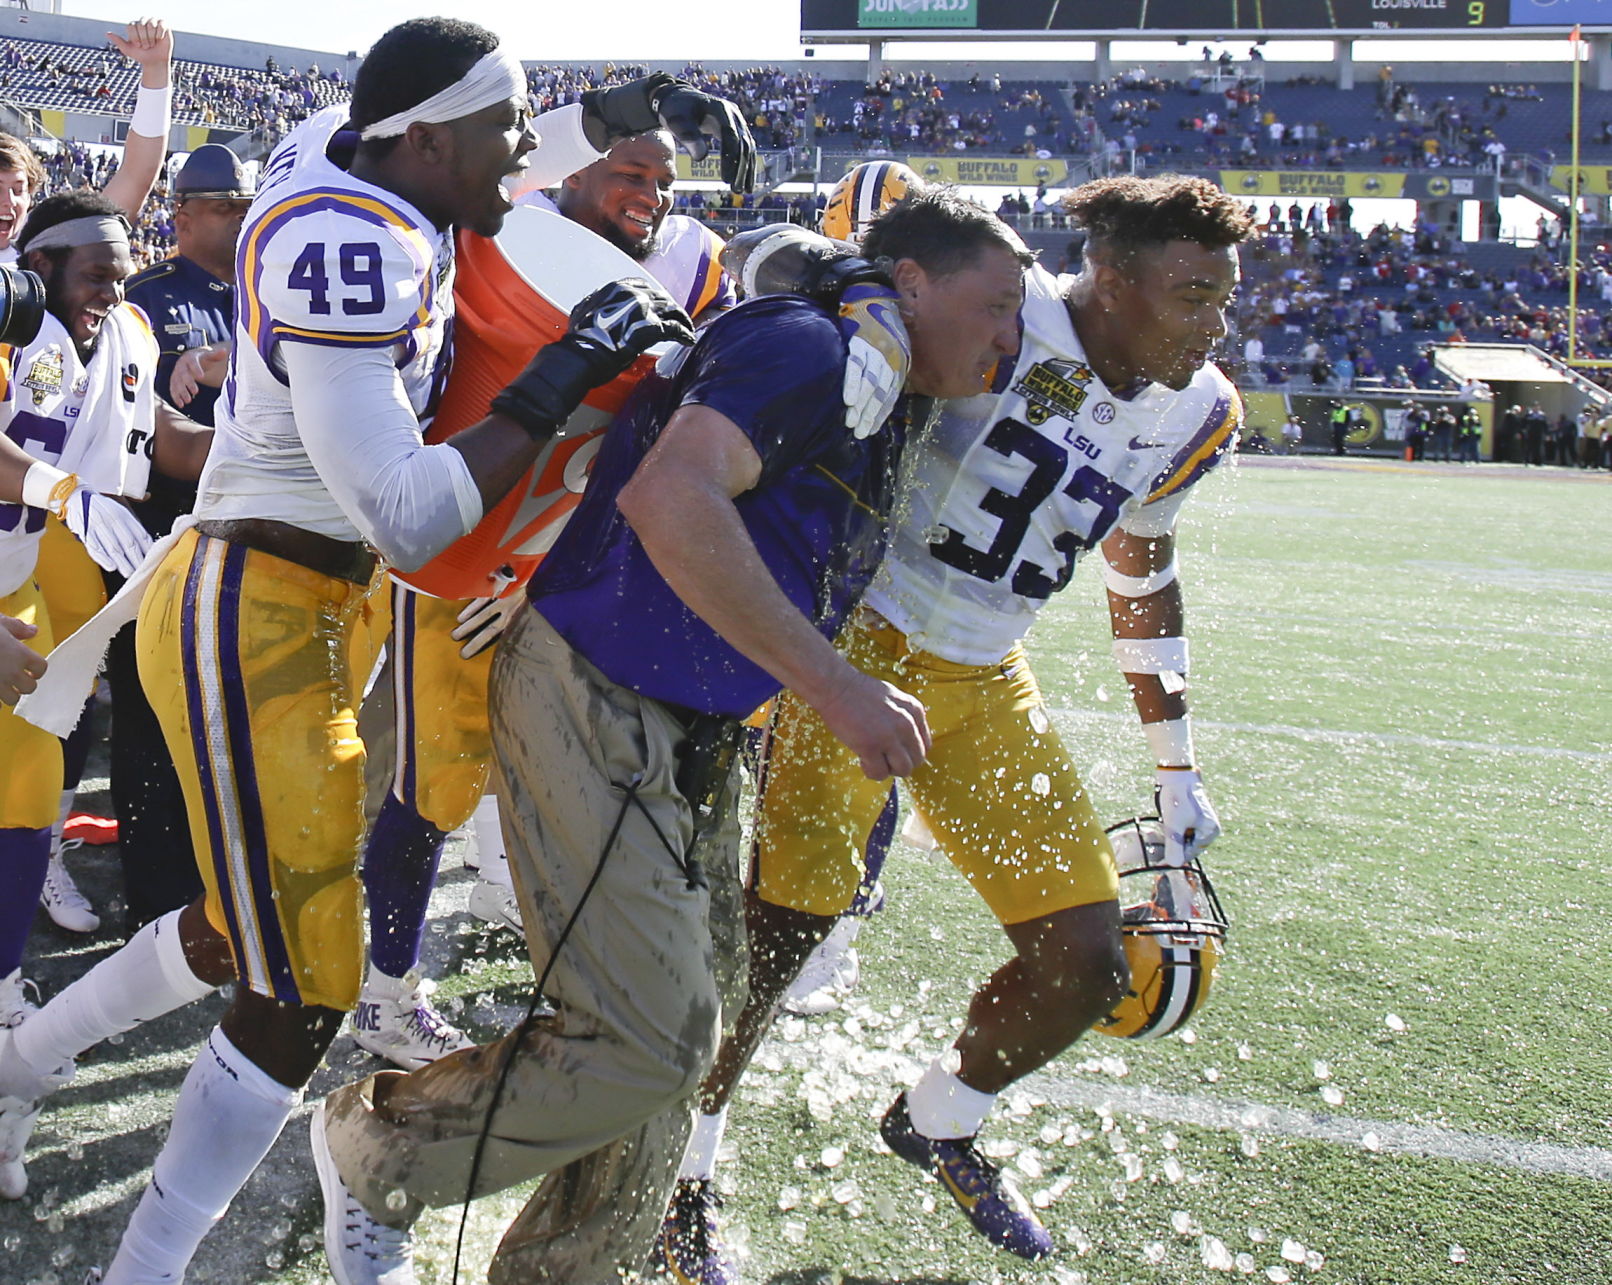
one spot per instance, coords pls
(999, 1213)
(690, 1250)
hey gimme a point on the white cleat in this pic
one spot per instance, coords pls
(830, 972)
(395, 1020)
(360, 1250)
(16, 1127)
(497, 905)
(64, 903)
(19, 1108)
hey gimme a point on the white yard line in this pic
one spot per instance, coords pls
(1233, 1115)
(1333, 736)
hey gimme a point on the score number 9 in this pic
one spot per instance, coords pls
(1474, 13)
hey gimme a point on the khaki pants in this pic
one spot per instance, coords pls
(585, 768)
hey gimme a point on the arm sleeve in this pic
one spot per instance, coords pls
(563, 149)
(1154, 518)
(407, 499)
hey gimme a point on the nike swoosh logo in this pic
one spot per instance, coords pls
(1138, 445)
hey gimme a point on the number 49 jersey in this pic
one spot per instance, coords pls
(330, 260)
(1007, 491)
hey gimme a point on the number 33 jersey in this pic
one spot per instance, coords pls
(327, 259)
(1006, 491)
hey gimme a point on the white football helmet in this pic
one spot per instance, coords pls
(1174, 933)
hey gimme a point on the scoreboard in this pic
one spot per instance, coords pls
(1041, 19)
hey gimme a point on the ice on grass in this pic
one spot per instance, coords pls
(1457, 1254)
(1244, 1263)
(1293, 1250)
(1069, 1276)
(1215, 1256)
(1173, 1172)
(1249, 1145)
(1153, 1253)
(831, 1157)
(1245, 1052)
(1079, 1241)
(794, 1231)
(1372, 1141)
(1258, 1235)
(1332, 1095)
(1133, 1167)
(1211, 1074)
(1169, 1141)
(1323, 1072)
(1278, 1274)
(788, 1198)
(1395, 1023)
(1182, 1224)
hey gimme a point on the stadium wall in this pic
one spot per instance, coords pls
(22, 24)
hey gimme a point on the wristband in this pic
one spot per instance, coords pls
(1126, 586)
(46, 487)
(1171, 742)
(1151, 655)
(152, 114)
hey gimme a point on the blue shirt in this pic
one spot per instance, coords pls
(189, 308)
(817, 514)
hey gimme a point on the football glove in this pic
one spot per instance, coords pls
(1189, 820)
(111, 534)
(483, 620)
(878, 355)
(661, 101)
(610, 329)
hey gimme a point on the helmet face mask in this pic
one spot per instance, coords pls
(865, 192)
(1173, 929)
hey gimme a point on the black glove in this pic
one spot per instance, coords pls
(786, 259)
(661, 101)
(609, 329)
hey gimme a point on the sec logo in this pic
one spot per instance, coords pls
(1103, 412)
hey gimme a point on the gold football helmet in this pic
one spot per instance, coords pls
(1174, 933)
(865, 192)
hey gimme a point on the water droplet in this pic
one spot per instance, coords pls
(12, 1242)
(63, 1256)
(831, 1157)
(1293, 1250)
(1188, 1035)
(1394, 1022)
(1244, 1263)
(1457, 1254)
(1133, 1167)
(1332, 1095)
(1153, 1253)
(1169, 1141)
(1079, 1241)
(274, 1260)
(1181, 1223)
(1249, 1145)
(1278, 1274)
(1258, 1235)
(1173, 1172)
(1211, 1074)
(1372, 1142)
(788, 1198)
(1245, 1053)
(845, 1192)
(1314, 1259)
(396, 1199)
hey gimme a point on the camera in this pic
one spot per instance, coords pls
(22, 305)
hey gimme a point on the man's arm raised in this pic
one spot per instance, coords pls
(680, 505)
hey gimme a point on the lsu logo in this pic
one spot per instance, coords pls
(1054, 387)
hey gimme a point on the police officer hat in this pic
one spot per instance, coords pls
(213, 171)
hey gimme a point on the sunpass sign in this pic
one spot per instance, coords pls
(917, 13)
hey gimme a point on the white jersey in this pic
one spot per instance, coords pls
(328, 259)
(1007, 491)
(91, 419)
(685, 260)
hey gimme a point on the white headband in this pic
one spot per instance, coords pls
(496, 78)
(92, 229)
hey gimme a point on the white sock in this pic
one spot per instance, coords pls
(942, 1106)
(699, 1160)
(61, 822)
(490, 843)
(147, 978)
(228, 1115)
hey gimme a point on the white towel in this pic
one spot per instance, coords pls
(72, 665)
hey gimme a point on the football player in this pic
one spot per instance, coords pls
(78, 409)
(1093, 438)
(252, 627)
(71, 581)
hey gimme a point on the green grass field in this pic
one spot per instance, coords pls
(1405, 1073)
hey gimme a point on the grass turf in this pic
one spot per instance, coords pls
(1398, 676)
